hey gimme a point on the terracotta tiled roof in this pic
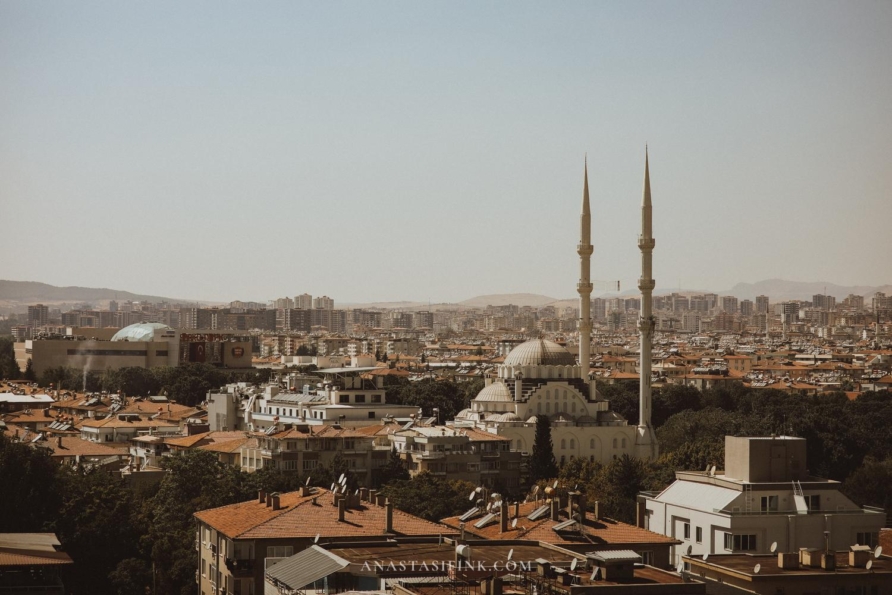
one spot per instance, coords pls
(299, 517)
(602, 531)
(229, 446)
(74, 446)
(196, 440)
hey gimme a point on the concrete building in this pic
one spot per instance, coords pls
(763, 496)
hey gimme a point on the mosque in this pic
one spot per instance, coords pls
(540, 377)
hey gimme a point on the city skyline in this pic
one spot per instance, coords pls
(437, 154)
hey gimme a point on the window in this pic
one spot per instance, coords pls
(279, 551)
(624, 442)
(289, 465)
(376, 398)
(729, 542)
(813, 502)
(769, 504)
(359, 399)
(548, 394)
(547, 407)
(687, 530)
(699, 534)
(310, 465)
(573, 407)
(343, 398)
(647, 558)
(538, 408)
(591, 444)
(614, 443)
(563, 443)
(869, 539)
(204, 567)
(572, 443)
(745, 543)
(371, 415)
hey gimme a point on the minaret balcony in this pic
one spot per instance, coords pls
(646, 243)
(584, 287)
(646, 284)
(584, 249)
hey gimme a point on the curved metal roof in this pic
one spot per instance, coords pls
(142, 331)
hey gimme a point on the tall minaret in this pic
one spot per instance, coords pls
(584, 287)
(646, 440)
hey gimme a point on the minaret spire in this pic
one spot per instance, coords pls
(584, 286)
(646, 441)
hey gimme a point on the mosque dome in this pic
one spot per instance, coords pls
(497, 391)
(508, 416)
(143, 331)
(540, 352)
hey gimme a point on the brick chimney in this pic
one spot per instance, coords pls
(269, 500)
(261, 496)
(503, 516)
(555, 509)
(342, 507)
(276, 502)
(388, 516)
(372, 496)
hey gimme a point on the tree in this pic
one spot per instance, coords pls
(303, 350)
(384, 357)
(542, 461)
(31, 491)
(394, 470)
(9, 368)
(377, 355)
(428, 496)
(617, 487)
(30, 375)
(423, 358)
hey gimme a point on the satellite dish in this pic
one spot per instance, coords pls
(333, 487)
(308, 481)
(712, 471)
(706, 556)
(878, 552)
(514, 524)
(869, 565)
(576, 487)
(757, 569)
(596, 575)
(554, 487)
(707, 468)
(511, 552)
(573, 564)
(680, 567)
(341, 478)
(479, 489)
(356, 493)
(473, 494)
(689, 550)
(317, 538)
(535, 489)
(773, 547)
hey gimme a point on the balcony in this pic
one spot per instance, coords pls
(240, 568)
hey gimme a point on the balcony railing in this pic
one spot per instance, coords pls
(240, 568)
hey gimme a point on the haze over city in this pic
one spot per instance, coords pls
(434, 152)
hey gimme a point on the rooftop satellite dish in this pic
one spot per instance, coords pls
(878, 552)
(707, 468)
(576, 488)
(478, 489)
(472, 496)
(535, 489)
(689, 550)
(757, 569)
(773, 547)
(869, 565)
(333, 487)
(554, 487)
(706, 556)
(596, 575)
(317, 538)
(308, 481)
(511, 552)
(573, 564)
(514, 523)
(680, 567)
(341, 478)
(356, 493)
(712, 471)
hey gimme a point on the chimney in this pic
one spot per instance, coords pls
(517, 510)
(269, 500)
(640, 512)
(503, 516)
(388, 516)
(276, 502)
(261, 496)
(598, 514)
(59, 441)
(372, 494)
(582, 504)
(304, 491)
(342, 507)
(363, 494)
(555, 509)
(381, 499)
(571, 496)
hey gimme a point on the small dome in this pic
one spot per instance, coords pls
(497, 391)
(533, 420)
(539, 352)
(463, 414)
(143, 331)
(509, 416)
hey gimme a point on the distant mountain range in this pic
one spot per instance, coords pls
(14, 295)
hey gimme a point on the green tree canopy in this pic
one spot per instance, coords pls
(542, 461)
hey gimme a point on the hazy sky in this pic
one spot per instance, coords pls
(421, 150)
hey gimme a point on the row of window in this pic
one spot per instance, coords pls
(358, 398)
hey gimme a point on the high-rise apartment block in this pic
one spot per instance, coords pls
(38, 315)
(761, 304)
(323, 303)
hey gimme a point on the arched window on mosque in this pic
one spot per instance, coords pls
(547, 407)
(548, 394)
(563, 443)
(614, 443)
(624, 442)
(572, 443)
(573, 407)
(591, 444)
